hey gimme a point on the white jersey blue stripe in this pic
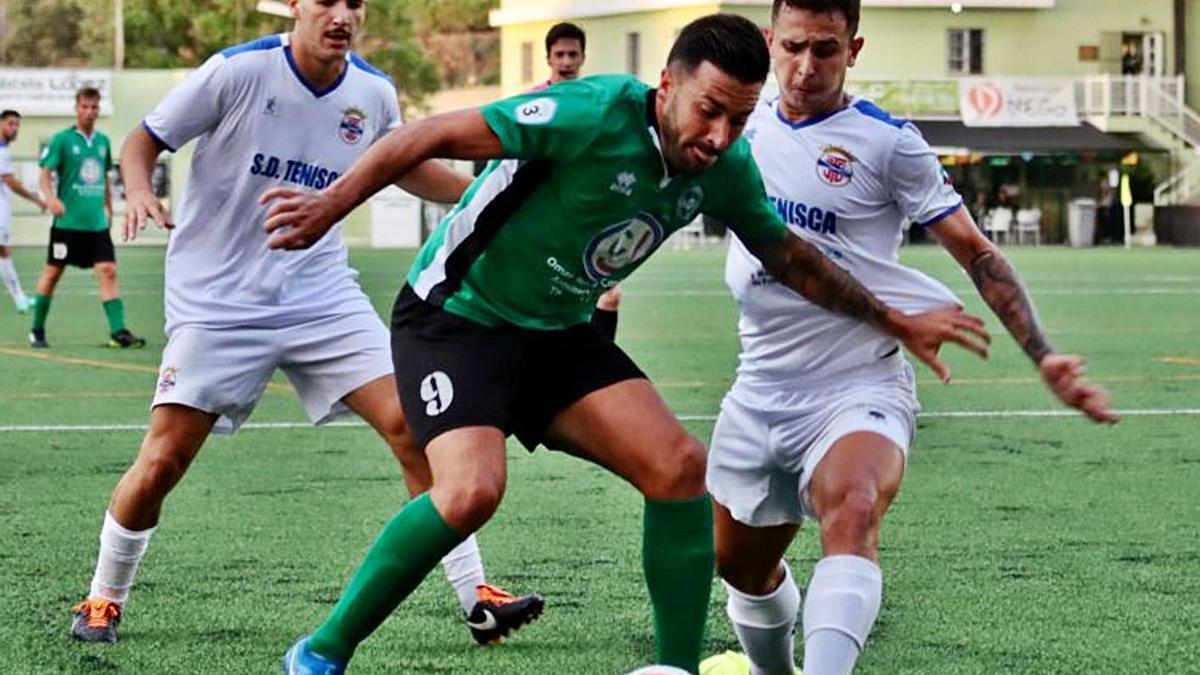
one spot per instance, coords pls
(845, 181)
(261, 124)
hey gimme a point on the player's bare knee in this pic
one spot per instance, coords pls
(678, 472)
(467, 506)
(159, 468)
(852, 520)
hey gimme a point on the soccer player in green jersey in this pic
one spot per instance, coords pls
(566, 50)
(490, 334)
(81, 157)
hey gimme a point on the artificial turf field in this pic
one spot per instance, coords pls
(1020, 543)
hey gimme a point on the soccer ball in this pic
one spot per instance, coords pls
(659, 670)
(728, 663)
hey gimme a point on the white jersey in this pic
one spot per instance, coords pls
(262, 125)
(6, 168)
(844, 182)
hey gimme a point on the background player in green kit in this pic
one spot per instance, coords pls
(80, 156)
(490, 335)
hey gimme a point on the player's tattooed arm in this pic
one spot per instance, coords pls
(1001, 288)
(1003, 291)
(997, 281)
(798, 265)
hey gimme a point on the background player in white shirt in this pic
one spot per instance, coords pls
(821, 416)
(295, 109)
(10, 126)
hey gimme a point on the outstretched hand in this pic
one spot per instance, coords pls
(1063, 375)
(297, 218)
(141, 207)
(927, 332)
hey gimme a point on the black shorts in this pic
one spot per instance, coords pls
(455, 373)
(79, 248)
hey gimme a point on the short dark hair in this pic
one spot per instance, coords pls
(565, 31)
(730, 42)
(87, 92)
(851, 9)
(9, 113)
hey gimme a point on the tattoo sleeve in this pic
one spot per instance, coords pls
(798, 265)
(1000, 287)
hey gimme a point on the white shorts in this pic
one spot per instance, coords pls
(225, 371)
(5, 229)
(765, 447)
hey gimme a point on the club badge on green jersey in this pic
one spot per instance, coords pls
(619, 246)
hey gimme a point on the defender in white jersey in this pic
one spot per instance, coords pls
(10, 126)
(295, 109)
(820, 418)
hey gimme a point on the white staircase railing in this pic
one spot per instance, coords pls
(1180, 187)
(1106, 96)
(1171, 112)
(1160, 100)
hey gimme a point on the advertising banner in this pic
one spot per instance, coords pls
(1018, 103)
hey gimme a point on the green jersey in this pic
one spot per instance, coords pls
(82, 166)
(585, 199)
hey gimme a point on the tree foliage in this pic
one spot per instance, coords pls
(183, 33)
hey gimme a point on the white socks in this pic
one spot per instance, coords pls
(464, 570)
(8, 274)
(840, 608)
(120, 552)
(765, 625)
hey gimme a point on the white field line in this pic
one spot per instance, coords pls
(1069, 292)
(724, 292)
(947, 414)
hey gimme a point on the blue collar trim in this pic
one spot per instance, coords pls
(291, 61)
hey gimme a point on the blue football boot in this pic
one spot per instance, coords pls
(300, 660)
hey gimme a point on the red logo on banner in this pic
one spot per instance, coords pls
(986, 99)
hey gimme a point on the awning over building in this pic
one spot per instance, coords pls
(945, 135)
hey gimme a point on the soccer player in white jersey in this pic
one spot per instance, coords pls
(821, 416)
(10, 126)
(295, 109)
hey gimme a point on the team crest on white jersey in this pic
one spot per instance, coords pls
(835, 166)
(621, 245)
(352, 128)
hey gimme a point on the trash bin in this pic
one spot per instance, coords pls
(1081, 222)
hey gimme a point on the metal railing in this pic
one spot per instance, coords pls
(1123, 96)
(1180, 187)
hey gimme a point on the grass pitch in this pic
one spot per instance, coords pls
(1019, 544)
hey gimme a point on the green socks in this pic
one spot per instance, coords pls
(41, 307)
(410, 545)
(677, 555)
(114, 311)
(678, 558)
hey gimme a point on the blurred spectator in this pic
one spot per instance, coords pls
(1131, 60)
